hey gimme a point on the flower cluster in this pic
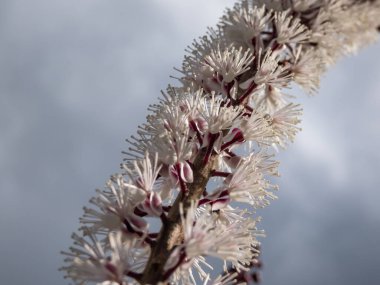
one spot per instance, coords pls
(207, 147)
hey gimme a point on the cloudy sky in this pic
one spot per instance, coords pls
(75, 80)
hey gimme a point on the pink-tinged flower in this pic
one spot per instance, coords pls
(143, 172)
(195, 73)
(115, 208)
(270, 98)
(168, 134)
(223, 66)
(181, 170)
(289, 29)
(167, 117)
(284, 124)
(152, 205)
(218, 115)
(269, 71)
(253, 128)
(91, 260)
(244, 24)
(205, 236)
(307, 68)
(247, 182)
(229, 63)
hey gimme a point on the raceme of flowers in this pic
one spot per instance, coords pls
(203, 161)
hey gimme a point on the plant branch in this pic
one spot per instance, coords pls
(171, 232)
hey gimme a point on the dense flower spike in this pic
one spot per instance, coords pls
(222, 124)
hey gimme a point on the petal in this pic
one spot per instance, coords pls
(233, 162)
(186, 173)
(201, 124)
(173, 174)
(220, 203)
(137, 223)
(155, 203)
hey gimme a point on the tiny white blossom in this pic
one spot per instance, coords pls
(307, 69)
(115, 208)
(289, 29)
(218, 115)
(284, 123)
(256, 128)
(143, 172)
(269, 71)
(244, 24)
(248, 184)
(270, 98)
(229, 63)
(89, 260)
(204, 236)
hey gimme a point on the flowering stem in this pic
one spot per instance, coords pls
(171, 233)
(195, 128)
(210, 147)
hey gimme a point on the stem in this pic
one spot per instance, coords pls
(171, 233)
(171, 270)
(220, 173)
(134, 275)
(210, 147)
(195, 128)
(247, 92)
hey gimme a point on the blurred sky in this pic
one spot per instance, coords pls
(75, 80)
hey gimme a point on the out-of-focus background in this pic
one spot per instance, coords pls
(75, 80)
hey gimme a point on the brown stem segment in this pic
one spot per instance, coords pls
(171, 233)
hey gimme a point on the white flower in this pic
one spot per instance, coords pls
(289, 29)
(167, 133)
(195, 73)
(167, 118)
(229, 63)
(143, 172)
(218, 69)
(116, 207)
(284, 123)
(218, 115)
(244, 24)
(256, 128)
(307, 68)
(89, 260)
(252, 128)
(205, 236)
(269, 71)
(190, 101)
(248, 184)
(171, 146)
(270, 98)
(229, 242)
